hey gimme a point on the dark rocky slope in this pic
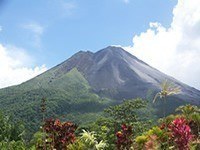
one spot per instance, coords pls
(116, 73)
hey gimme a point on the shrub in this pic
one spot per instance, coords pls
(86, 141)
(61, 134)
(124, 138)
(180, 133)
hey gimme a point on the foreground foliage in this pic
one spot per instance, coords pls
(179, 131)
(11, 134)
(123, 127)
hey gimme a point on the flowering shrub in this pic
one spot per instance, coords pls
(180, 133)
(124, 140)
(61, 134)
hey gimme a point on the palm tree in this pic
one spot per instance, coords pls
(167, 89)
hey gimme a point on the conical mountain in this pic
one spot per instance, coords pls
(116, 73)
(82, 86)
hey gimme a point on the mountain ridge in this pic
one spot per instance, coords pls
(111, 62)
(87, 83)
(84, 62)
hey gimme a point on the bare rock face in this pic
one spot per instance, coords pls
(115, 73)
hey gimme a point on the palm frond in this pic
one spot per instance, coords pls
(167, 89)
(156, 97)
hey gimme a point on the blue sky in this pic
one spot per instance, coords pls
(68, 26)
(39, 34)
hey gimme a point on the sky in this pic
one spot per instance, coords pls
(37, 35)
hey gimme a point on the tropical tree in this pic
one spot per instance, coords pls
(127, 112)
(167, 89)
(11, 133)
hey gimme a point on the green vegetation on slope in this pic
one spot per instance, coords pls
(68, 96)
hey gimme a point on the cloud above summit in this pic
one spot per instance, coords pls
(174, 50)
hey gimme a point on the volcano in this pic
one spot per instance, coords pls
(86, 83)
(115, 73)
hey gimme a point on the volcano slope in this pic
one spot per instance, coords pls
(82, 86)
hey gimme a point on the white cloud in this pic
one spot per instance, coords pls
(36, 31)
(15, 66)
(0, 28)
(174, 50)
(126, 1)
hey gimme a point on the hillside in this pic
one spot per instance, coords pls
(67, 96)
(82, 86)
